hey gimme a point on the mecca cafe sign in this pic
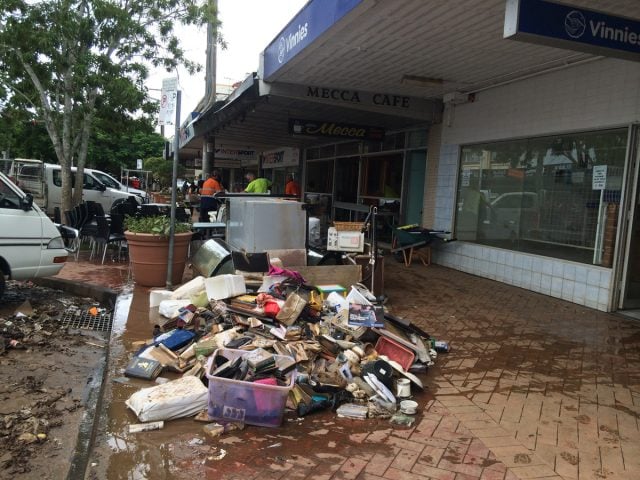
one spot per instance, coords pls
(380, 102)
(318, 128)
(571, 27)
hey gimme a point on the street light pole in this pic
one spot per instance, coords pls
(172, 227)
(208, 154)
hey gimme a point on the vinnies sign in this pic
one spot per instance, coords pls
(567, 26)
(316, 17)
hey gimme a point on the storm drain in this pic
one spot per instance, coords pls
(99, 321)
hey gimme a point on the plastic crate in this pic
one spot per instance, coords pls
(248, 402)
(395, 351)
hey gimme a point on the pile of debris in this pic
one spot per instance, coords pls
(247, 351)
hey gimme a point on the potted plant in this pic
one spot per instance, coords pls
(148, 240)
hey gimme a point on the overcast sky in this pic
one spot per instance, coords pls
(248, 26)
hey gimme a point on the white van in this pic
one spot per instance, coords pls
(111, 182)
(30, 244)
(44, 182)
(92, 190)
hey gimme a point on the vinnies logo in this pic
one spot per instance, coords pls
(289, 42)
(575, 24)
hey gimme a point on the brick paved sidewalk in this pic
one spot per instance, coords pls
(551, 388)
(534, 387)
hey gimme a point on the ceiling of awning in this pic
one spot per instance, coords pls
(459, 42)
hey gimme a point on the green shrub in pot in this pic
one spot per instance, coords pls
(157, 225)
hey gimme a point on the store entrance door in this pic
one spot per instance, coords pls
(630, 287)
(416, 167)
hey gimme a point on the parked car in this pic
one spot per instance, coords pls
(44, 182)
(511, 216)
(111, 182)
(30, 243)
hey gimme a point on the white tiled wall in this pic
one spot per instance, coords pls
(599, 94)
(578, 283)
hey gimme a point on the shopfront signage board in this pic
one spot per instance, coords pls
(574, 28)
(281, 157)
(319, 128)
(379, 102)
(233, 157)
(313, 20)
(599, 177)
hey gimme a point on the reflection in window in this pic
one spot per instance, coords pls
(347, 179)
(382, 176)
(319, 176)
(539, 196)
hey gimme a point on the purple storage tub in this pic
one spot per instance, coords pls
(248, 402)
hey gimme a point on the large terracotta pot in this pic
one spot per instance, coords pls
(149, 256)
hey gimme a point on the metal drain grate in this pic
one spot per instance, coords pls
(83, 320)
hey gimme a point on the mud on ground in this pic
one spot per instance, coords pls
(44, 380)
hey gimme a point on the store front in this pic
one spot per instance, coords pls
(278, 165)
(521, 148)
(344, 180)
(556, 196)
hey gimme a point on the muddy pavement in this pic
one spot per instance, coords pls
(49, 374)
(319, 442)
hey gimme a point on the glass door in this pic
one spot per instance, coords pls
(415, 178)
(630, 285)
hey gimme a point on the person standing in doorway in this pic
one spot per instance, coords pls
(209, 188)
(292, 187)
(257, 185)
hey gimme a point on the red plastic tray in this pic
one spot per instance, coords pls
(395, 351)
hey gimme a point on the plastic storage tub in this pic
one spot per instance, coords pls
(248, 402)
(395, 351)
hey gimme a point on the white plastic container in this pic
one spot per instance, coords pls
(225, 286)
(157, 296)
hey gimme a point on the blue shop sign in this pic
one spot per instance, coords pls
(313, 20)
(567, 26)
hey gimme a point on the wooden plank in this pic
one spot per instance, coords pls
(345, 275)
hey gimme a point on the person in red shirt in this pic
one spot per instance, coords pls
(292, 187)
(210, 187)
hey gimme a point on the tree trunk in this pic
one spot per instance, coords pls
(84, 134)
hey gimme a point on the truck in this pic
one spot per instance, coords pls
(44, 182)
(30, 243)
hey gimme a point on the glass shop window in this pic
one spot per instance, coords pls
(381, 177)
(555, 196)
(319, 176)
(347, 179)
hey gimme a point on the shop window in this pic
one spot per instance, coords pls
(328, 151)
(347, 179)
(539, 196)
(393, 141)
(312, 153)
(381, 177)
(417, 138)
(319, 177)
(348, 148)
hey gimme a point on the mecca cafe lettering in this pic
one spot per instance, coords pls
(353, 96)
(334, 129)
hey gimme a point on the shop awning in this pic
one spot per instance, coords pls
(428, 50)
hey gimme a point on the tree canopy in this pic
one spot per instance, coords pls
(70, 62)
